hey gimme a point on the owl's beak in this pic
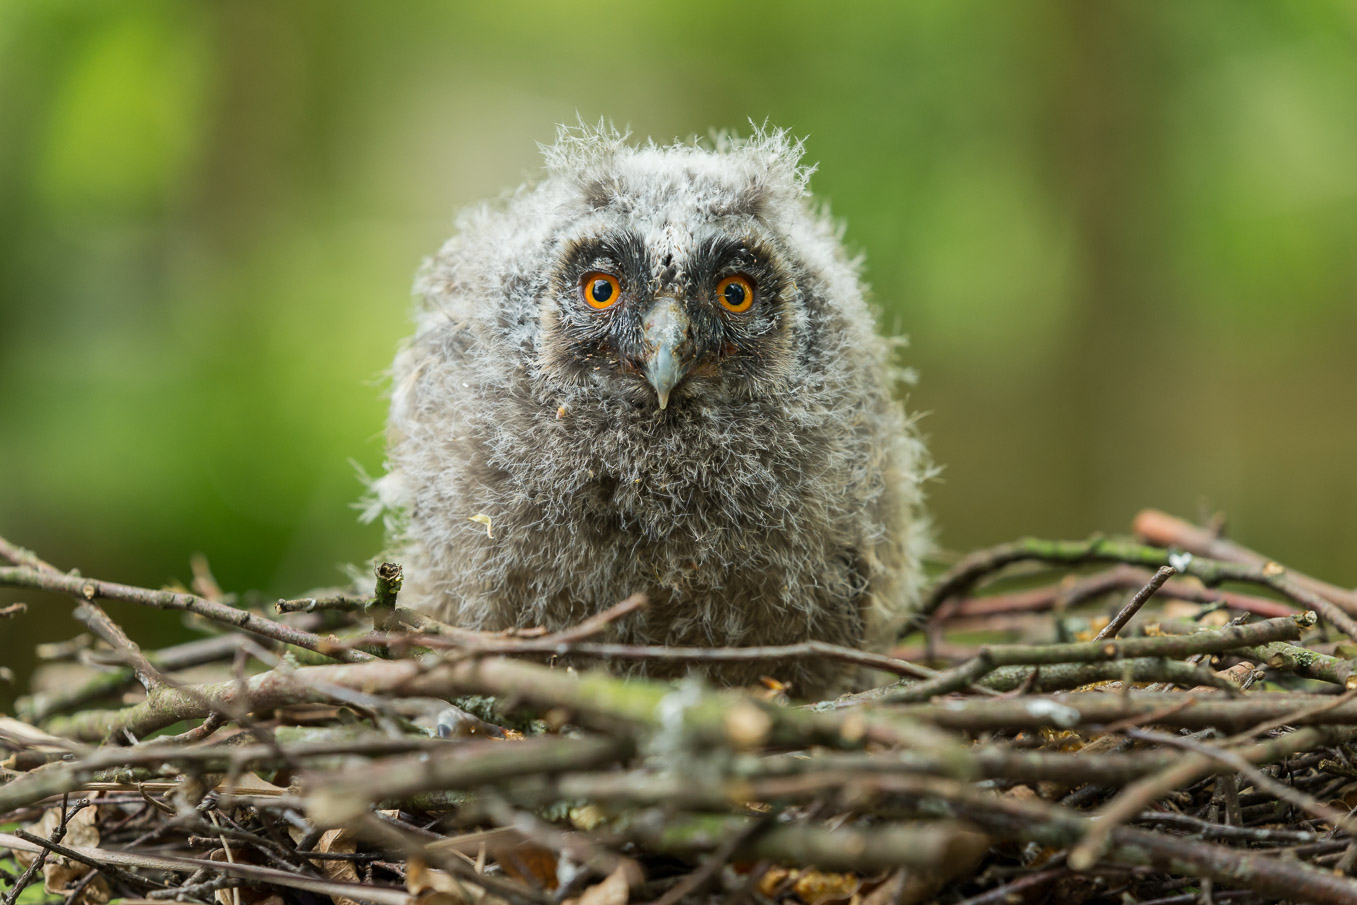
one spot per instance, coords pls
(667, 343)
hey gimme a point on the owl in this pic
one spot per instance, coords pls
(654, 370)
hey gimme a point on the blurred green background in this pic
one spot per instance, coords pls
(1121, 235)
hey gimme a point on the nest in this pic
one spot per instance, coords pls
(1151, 738)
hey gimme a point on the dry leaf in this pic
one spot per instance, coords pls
(816, 887)
(250, 784)
(58, 874)
(773, 879)
(1215, 619)
(1095, 625)
(437, 887)
(528, 863)
(338, 841)
(614, 890)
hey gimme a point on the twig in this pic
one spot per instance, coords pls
(340, 797)
(1019, 889)
(113, 872)
(1075, 590)
(17, 555)
(38, 707)
(554, 645)
(98, 622)
(1303, 662)
(89, 589)
(991, 657)
(108, 860)
(1140, 794)
(1100, 549)
(597, 623)
(606, 699)
(110, 763)
(1208, 830)
(1182, 710)
(697, 880)
(382, 609)
(866, 849)
(58, 833)
(339, 602)
(1133, 606)
(1167, 531)
(1260, 780)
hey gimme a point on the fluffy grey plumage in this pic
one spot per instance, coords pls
(749, 470)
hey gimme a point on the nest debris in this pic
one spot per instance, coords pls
(1143, 735)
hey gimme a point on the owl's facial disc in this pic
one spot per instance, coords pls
(668, 346)
(696, 322)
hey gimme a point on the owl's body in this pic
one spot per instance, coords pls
(655, 371)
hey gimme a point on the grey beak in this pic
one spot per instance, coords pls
(667, 344)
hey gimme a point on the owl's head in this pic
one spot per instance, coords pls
(676, 273)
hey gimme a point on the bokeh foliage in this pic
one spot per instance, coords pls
(1122, 236)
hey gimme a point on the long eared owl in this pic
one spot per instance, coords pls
(654, 370)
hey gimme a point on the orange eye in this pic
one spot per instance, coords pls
(600, 290)
(736, 293)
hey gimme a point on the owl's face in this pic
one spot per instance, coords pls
(665, 298)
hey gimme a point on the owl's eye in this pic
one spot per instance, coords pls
(600, 290)
(736, 293)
